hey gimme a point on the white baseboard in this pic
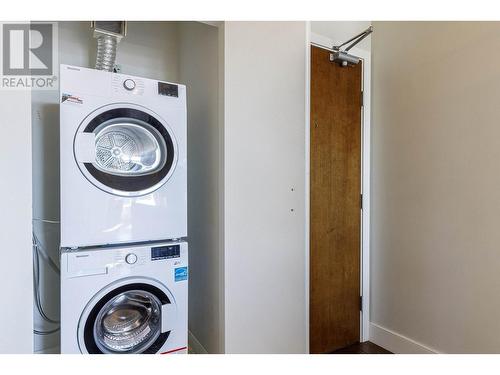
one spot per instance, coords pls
(195, 346)
(396, 342)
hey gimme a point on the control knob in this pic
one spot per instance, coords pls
(131, 258)
(129, 84)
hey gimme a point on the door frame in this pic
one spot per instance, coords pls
(327, 43)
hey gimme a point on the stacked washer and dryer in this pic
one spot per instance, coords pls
(124, 255)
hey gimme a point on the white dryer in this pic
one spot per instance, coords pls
(120, 300)
(123, 158)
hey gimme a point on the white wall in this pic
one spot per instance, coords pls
(199, 70)
(16, 313)
(45, 186)
(264, 173)
(341, 31)
(435, 183)
(148, 50)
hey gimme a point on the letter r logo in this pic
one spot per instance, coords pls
(27, 49)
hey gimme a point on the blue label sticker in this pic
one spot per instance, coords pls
(181, 274)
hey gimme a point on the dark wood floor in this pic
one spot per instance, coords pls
(366, 347)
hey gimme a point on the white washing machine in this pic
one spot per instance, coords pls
(123, 158)
(120, 300)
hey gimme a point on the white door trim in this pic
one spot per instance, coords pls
(307, 175)
(327, 43)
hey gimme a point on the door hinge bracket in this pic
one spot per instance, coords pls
(360, 303)
(361, 201)
(362, 98)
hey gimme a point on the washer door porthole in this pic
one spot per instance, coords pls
(125, 320)
(128, 323)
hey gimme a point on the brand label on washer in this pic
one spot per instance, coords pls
(181, 274)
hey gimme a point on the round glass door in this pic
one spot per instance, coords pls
(133, 151)
(129, 147)
(128, 323)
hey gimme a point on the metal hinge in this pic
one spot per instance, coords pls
(360, 303)
(361, 201)
(362, 98)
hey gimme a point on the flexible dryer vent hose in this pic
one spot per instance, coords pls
(106, 52)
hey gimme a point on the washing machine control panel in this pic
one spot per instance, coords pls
(131, 258)
(165, 252)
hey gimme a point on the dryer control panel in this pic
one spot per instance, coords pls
(168, 89)
(127, 85)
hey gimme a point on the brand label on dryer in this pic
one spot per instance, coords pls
(181, 274)
(71, 99)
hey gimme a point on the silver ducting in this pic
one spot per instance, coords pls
(108, 35)
(106, 52)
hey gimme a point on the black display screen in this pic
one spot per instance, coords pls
(168, 89)
(165, 252)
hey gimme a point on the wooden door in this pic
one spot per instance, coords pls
(335, 221)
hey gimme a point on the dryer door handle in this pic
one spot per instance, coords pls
(168, 317)
(85, 147)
